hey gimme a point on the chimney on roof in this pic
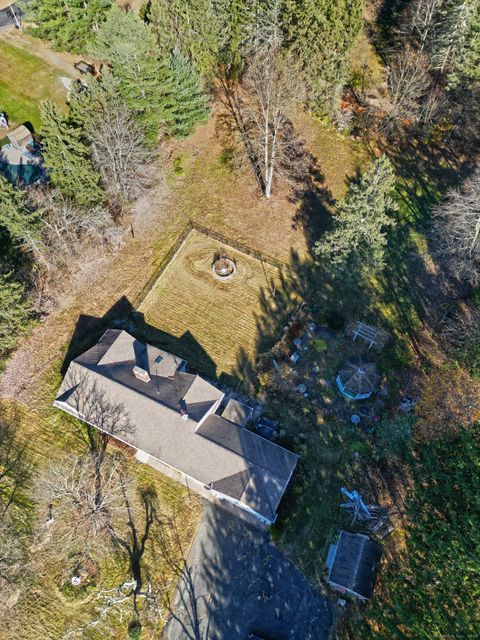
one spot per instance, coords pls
(141, 374)
(183, 409)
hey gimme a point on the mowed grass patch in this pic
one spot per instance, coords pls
(217, 326)
(340, 158)
(26, 80)
(44, 610)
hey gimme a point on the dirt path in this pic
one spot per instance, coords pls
(61, 61)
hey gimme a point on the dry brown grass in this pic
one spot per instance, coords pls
(222, 319)
(43, 610)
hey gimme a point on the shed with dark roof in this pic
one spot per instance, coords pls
(353, 564)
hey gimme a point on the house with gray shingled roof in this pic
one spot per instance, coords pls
(145, 397)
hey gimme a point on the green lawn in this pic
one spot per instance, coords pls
(25, 80)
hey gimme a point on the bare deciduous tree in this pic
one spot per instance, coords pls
(457, 230)
(131, 530)
(273, 88)
(409, 81)
(69, 234)
(93, 406)
(418, 23)
(80, 513)
(119, 153)
(261, 106)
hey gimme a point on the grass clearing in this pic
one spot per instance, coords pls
(26, 80)
(213, 193)
(340, 158)
(213, 324)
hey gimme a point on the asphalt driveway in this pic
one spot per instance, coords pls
(236, 581)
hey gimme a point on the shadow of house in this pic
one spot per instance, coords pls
(122, 315)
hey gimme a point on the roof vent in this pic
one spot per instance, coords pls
(141, 374)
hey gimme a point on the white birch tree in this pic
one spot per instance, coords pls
(457, 230)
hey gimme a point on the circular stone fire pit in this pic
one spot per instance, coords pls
(223, 267)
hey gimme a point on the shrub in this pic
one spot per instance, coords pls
(134, 630)
(335, 320)
(320, 344)
(393, 436)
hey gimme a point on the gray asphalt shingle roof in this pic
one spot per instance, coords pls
(100, 388)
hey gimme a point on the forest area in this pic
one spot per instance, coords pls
(380, 223)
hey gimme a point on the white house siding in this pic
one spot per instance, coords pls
(175, 474)
(222, 496)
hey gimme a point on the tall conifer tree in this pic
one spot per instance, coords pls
(67, 158)
(144, 81)
(190, 103)
(68, 24)
(356, 244)
(190, 27)
(321, 33)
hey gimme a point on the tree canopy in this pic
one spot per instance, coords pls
(431, 591)
(320, 35)
(356, 243)
(68, 24)
(67, 158)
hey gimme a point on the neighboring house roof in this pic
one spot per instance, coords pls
(20, 136)
(101, 388)
(355, 564)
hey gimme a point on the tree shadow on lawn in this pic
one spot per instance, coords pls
(413, 280)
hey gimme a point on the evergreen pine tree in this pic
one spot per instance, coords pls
(320, 33)
(67, 24)
(191, 105)
(188, 26)
(16, 220)
(464, 60)
(15, 311)
(358, 239)
(144, 81)
(67, 158)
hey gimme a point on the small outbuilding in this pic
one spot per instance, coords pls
(21, 138)
(357, 380)
(353, 563)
